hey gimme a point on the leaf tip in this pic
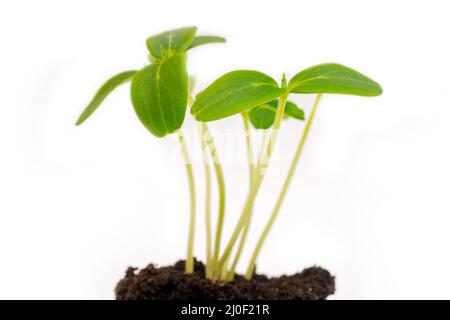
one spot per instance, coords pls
(379, 90)
(376, 91)
(80, 120)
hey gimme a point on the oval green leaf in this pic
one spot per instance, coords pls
(333, 78)
(263, 116)
(233, 93)
(201, 40)
(159, 95)
(291, 110)
(166, 44)
(103, 92)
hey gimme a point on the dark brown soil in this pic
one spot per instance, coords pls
(170, 283)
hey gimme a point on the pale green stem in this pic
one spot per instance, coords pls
(263, 144)
(221, 184)
(248, 139)
(207, 168)
(260, 172)
(251, 170)
(190, 175)
(282, 195)
(261, 153)
(231, 272)
(224, 271)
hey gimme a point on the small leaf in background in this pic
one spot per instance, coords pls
(159, 94)
(333, 78)
(103, 92)
(263, 116)
(291, 110)
(201, 40)
(233, 93)
(166, 44)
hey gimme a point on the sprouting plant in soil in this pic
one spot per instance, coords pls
(161, 93)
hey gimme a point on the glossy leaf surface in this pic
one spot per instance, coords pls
(159, 95)
(103, 92)
(169, 43)
(333, 78)
(233, 93)
(201, 40)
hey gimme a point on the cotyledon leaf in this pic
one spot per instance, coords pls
(233, 93)
(201, 40)
(159, 95)
(263, 116)
(333, 78)
(103, 92)
(166, 44)
(291, 110)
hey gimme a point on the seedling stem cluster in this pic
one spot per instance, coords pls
(161, 93)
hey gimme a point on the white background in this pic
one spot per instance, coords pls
(370, 201)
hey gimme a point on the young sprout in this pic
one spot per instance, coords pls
(159, 94)
(244, 90)
(261, 117)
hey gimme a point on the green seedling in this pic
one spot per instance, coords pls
(161, 94)
(241, 91)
